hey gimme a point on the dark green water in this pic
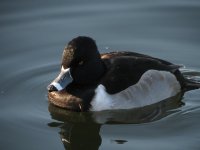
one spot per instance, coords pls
(33, 34)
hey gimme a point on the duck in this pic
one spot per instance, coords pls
(90, 81)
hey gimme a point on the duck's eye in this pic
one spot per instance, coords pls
(80, 63)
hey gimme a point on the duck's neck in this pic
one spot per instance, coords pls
(98, 69)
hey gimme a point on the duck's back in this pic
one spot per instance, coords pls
(126, 69)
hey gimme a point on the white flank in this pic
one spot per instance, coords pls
(153, 86)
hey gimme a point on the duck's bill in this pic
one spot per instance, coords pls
(63, 79)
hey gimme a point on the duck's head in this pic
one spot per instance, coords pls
(81, 64)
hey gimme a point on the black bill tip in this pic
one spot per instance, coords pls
(51, 88)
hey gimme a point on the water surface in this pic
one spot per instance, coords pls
(33, 34)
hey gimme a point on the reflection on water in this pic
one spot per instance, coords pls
(81, 130)
(79, 136)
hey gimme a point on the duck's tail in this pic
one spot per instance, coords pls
(191, 84)
(187, 84)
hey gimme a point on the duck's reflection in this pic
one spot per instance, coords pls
(78, 131)
(80, 136)
(81, 130)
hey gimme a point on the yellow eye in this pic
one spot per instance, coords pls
(80, 63)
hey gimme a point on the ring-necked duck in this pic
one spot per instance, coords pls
(118, 80)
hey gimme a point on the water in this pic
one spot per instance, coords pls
(33, 34)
